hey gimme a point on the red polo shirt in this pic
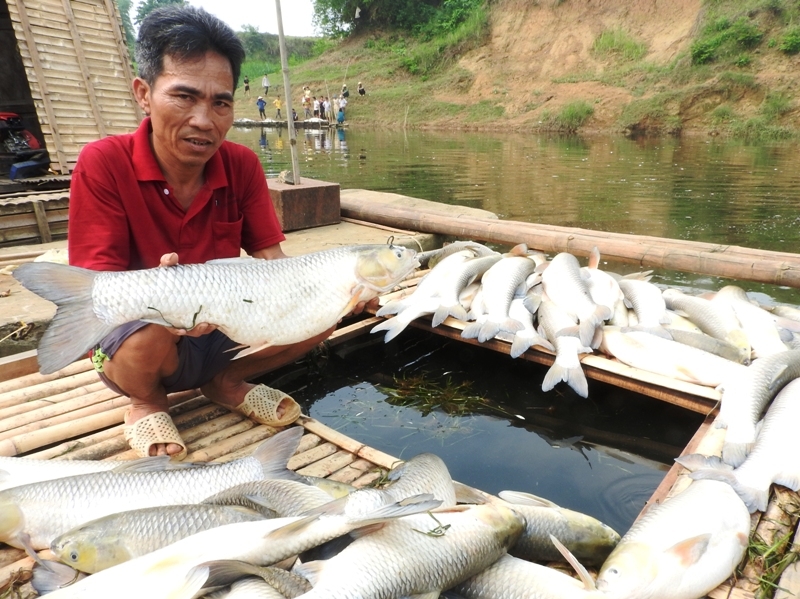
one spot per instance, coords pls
(123, 215)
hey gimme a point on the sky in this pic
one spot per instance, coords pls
(297, 14)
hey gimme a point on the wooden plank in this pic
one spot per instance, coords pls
(26, 364)
(57, 148)
(18, 365)
(778, 268)
(41, 222)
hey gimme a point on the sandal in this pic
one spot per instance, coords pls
(150, 430)
(261, 404)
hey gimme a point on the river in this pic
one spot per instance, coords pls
(605, 455)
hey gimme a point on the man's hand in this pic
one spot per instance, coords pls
(201, 328)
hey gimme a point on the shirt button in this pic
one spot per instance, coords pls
(166, 192)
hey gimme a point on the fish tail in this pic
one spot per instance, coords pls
(489, 330)
(392, 307)
(573, 376)
(75, 328)
(49, 576)
(442, 312)
(392, 326)
(526, 339)
(471, 331)
(275, 452)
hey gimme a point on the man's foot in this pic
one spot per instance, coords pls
(145, 432)
(260, 404)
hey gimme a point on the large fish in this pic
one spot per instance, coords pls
(254, 302)
(514, 578)
(554, 321)
(170, 571)
(774, 458)
(744, 400)
(31, 516)
(588, 539)
(24, 471)
(418, 556)
(116, 538)
(646, 301)
(680, 549)
(274, 497)
(424, 473)
(758, 324)
(669, 358)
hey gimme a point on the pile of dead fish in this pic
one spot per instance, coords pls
(572, 310)
(251, 528)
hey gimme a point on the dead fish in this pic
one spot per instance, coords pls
(454, 284)
(564, 285)
(424, 473)
(554, 321)
(680, 549)
(431, 258)
(15, 472)
(773, 459)
(758, 324)
(254, 302)
(712, 345)
(646, 301)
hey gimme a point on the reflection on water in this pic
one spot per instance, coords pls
(604, 455)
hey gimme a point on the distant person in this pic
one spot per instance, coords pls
(345, 92)
(335, 106)
(246, 82)
(294, 114)
(361, 90)
(316, 107)
(277, 102)
(262, 104)
(327, 111)
(342, 103)
(306, 107)
(265, 84)
(340, 116)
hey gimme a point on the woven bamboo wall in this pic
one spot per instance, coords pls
(78, 70)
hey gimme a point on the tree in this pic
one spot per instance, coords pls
(147, 6)
(127, 25)
(338, 17)
(253, 40)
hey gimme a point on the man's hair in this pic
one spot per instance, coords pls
(184, 32)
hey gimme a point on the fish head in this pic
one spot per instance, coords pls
(592, 540)
(506, 523)
(381, 267)
(89, 553)
(12, 522)
(629, 571)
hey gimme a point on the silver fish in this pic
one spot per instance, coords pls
(564, 285)
(744, 400)
(680, 549)
(514, 578)
(431, 258)
(116, 538)
(255, 582)
(646, 301)
(454, 284)
(719, 347)
(276, 497)
(15, 472)
(758, 324)
(254, 302)
(567, 366)
(416, 556)
(424, 473)
(31, 516)
(527, 336)
(774, 458)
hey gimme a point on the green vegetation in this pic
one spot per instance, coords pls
(790, 41)
(619, 44)
(428, 395)
(772, 560)
(724, 37)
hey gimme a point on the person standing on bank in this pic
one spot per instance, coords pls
(265, 84)
(277, 102)
(262, 105)
(175, 190)
(361, 90)
(246, 82)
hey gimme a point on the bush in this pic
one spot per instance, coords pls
(790, 42)
(776, 105)
(619, 43)
(573, 115)
(743, 60)
(739, 35)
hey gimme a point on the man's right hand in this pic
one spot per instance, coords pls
(201, 328)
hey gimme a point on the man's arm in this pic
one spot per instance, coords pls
(272, 252)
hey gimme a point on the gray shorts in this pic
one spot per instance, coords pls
(200, 359)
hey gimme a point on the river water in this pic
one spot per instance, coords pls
(605, 455)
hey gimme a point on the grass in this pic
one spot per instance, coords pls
(771, 560)
(619, 44)
(428, 395)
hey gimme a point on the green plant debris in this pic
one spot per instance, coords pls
(771, 560)
(448, 396)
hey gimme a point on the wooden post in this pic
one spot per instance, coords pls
(288, 96)
(41, 221)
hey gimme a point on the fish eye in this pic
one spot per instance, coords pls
(73, 556)
(398, 252)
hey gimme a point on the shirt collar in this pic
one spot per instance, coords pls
(146, 166)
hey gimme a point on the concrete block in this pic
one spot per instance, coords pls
(313, 203)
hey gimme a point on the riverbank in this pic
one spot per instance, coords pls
(722, 68)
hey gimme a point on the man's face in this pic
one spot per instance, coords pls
(191, 109)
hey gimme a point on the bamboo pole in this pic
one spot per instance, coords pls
(288, 95)
(327, 466)
(68, 383)
(40, 410)
(778, 268)
(33, 378)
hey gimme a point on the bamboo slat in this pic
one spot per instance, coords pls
(327, 466)
(778, 268)
(254, 435)
(27, 362)
(15, 416)
(45, 389)
(319, 452)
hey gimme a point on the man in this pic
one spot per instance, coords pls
(265, 84)
(262, 105)
(175, 188)
(277, 102)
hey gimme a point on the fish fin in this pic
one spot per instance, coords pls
(787, 324)
(532, 303)
(594, 258)
(231, 261)
(520, 249)
(489, 330)
(246, 350)
(472, 330)
(568, 332)
(628, 303)
(773, 384)
(357, 292)
(311, 571)
(194, 581)
(697, 461)
(442, 312)
(227, 571)
(521, 498)
(274, 453)
(471, 495)
(392, 307)
(393, 327)
(75, 328)
(574, 377)
(689, 551)
(51, 576)
(735, 453)
(755, 499)
(583, 574)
